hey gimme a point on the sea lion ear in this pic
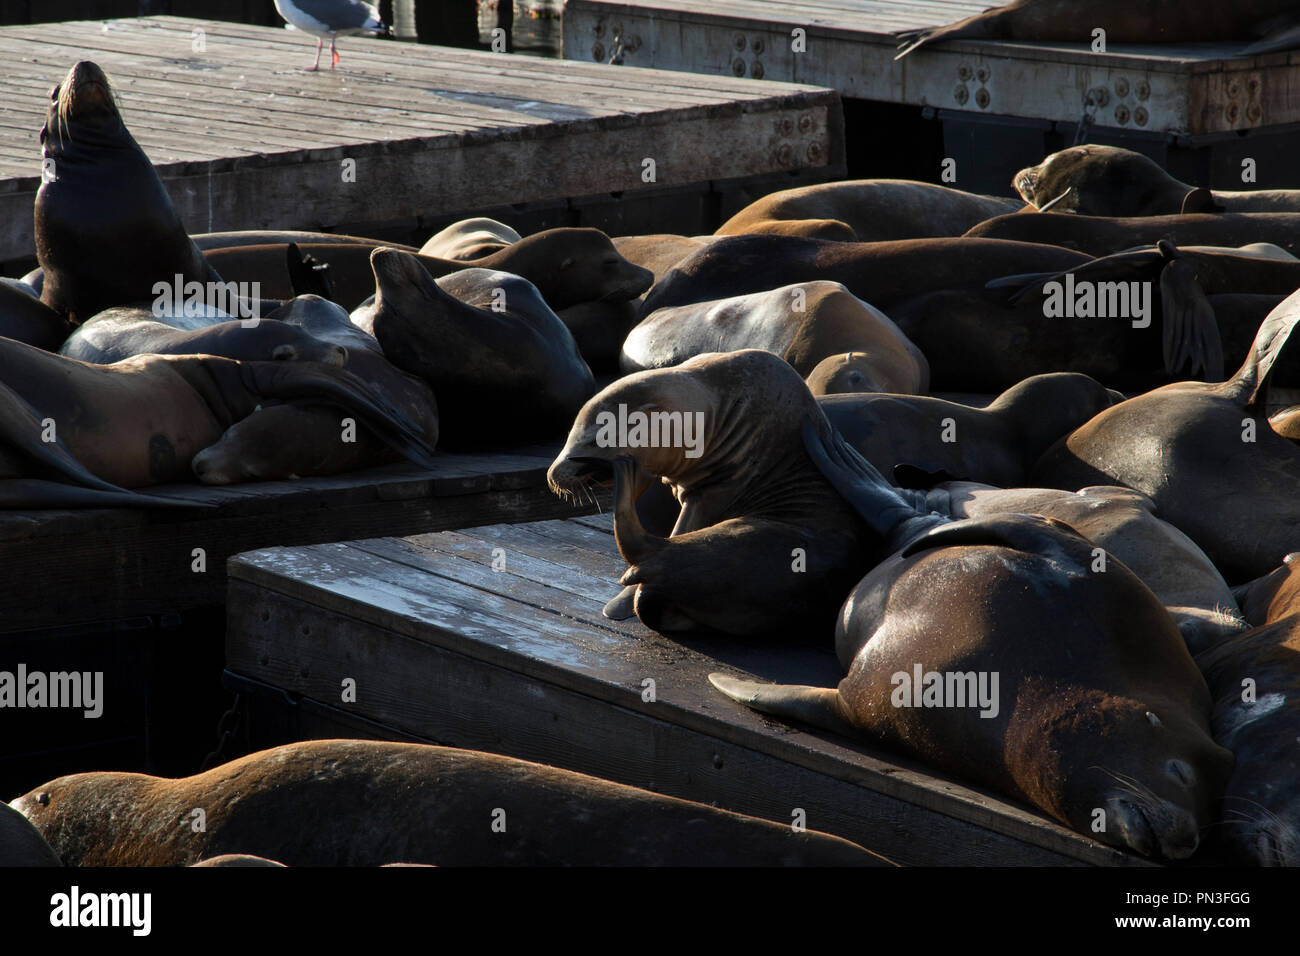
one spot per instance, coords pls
(1200, 200)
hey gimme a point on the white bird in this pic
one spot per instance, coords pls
(332, 18)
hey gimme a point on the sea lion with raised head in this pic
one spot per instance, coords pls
(106, 230)
(368, 803)
(501, 363)
(1206, 456)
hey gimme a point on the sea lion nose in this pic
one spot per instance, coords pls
(1182, 772)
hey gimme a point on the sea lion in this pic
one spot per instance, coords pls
(237, 860)
(882, 273)
(105, 227)
(806, 324)
(25, 318)
(1255, 679)
(470, 239)
(568, 266)
(501, 363)
(1094, 180)
(139, 422)
(762, 543)
(1102, 236)
(1271, 24)
(659, 252)
(909, 437)
(600, 328)
(296, 440)
(874, 210)
(21, 844)
(1097, 716)
(367, 803)
(120, 333)
(1205, 455)
(262, 237)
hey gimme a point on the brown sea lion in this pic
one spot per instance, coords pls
(807, 324)
(1255, 679)
(1098, 719)
(470, 239)
(723, 431)
(139, 422)
(882, 273)
(367, 803)
(660, 252)
(568, 266)
(121, 333)
(1205, 455)
(106, 230)
(1271, 24)
(873, 210)
(501, 363)
(910, 437)
(1101, 236)
(262, 237)
(1096, 180)
(297, 440)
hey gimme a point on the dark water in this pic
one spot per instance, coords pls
(531, 26)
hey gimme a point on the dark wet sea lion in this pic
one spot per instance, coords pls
(882, 273)
(501, 363)
(568, 266)
(1271, 24)
(297, 440)
(805, 324)
(874, 210)
(1255, 679)
(1101, 236)
(762, 543)
(27, 319)
(21, 844)
(139, 422)
(367, 803)
(120, 333)
(1205, 455)
(995, 445)
(600, 328)
(1096, 180)
(105, 227)
(1100, 716)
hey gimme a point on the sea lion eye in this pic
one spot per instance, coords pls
(1155, 721)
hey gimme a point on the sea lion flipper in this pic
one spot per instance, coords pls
(1284, 37)
(622, 607)
(1200, 200)
(308, 275)
(1191, 339)
(1249, 384)
(888, 511)
(818, 706)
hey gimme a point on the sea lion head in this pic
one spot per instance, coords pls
(1100, 181)
(83, 101)
(718, 417)
(844, 373)
(590, 268)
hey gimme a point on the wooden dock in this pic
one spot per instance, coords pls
(492, 639)
(244, 139)
(1199, 109)
(85, 566)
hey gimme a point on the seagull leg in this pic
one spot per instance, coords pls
(316, 66)
(334, 53)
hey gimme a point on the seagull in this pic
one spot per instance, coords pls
(332, 18)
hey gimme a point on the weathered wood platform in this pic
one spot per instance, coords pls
(1179, 89)
(244, 138)
(90, 565)
(518, 660)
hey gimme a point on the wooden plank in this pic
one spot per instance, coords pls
(245, 140)
(448, 644)
(111, 564)
(1184, 89)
